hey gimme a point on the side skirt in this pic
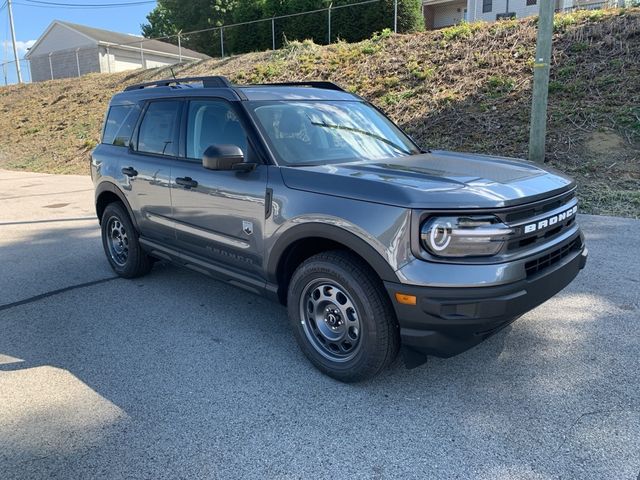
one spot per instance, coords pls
(213, 270)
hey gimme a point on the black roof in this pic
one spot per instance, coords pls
(198, 86)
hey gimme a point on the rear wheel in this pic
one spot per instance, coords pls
(342, 317)
(121, 245)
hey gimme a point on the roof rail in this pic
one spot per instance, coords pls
(312, 83)
(208, 82)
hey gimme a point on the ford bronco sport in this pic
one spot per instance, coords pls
(310, 195)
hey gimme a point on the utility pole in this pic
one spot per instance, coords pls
(329, 23)
(13, 39)
(221, 42)
(395, 16)
(273, 32)
(541, 67)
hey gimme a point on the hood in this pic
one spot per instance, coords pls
(438, 179)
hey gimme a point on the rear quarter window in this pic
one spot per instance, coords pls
(121, 120)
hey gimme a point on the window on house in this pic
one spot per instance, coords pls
(531, 2)
(487, 5)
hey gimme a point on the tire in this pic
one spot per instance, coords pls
(342, 317)
(121, 245)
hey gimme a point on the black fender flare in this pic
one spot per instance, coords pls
(110, 187)
(333, 233)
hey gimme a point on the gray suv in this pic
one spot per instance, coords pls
(310, 195)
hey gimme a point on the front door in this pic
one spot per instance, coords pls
(219, 215)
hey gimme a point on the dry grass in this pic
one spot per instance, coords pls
(465, 88)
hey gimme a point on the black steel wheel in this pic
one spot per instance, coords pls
(342, 317)
(117, 241)
(330, 320)
(121, 245)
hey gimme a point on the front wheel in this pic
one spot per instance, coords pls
(342, 317)
(120, 242)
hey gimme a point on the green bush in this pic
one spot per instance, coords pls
(461, 30)
(252, 37)
(349, 23)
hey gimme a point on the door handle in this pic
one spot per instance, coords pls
(130, 171)
(186, 182)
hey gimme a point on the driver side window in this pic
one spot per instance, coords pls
(213, 122)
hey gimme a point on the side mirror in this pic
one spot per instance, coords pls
(222, 157)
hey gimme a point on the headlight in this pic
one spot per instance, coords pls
(464, 236)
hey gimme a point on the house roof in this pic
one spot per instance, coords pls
(107, 37)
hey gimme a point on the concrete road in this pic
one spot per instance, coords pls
(177, 376)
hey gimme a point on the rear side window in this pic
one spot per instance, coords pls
(159, 128)
(121, 120)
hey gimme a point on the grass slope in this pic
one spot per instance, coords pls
(466, 87)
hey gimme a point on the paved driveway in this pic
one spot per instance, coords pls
(177, 376)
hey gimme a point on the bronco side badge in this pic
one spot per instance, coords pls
(247, 227)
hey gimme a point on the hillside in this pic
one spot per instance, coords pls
(464, 88)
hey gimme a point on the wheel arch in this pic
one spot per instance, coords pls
(303, 241)
(107, 193)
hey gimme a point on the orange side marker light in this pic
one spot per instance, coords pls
(406, 299)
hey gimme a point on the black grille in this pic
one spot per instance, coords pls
(544, 235)
(541, 263)
(519, 214)
(519, 217)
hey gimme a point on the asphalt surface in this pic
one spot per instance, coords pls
(178, 376)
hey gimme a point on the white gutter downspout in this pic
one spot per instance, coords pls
(50, 65)
(78, 61)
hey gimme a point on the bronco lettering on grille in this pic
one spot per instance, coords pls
(551, 221)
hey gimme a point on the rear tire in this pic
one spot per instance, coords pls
(121, 245)
(342, 317)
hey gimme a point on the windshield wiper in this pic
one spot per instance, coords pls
(362, 132)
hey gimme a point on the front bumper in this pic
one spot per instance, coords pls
(446, 320)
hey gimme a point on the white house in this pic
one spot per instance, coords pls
(70, 50)
(444, 13)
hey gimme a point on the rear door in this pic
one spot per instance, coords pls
(148, 168)
(219, 215)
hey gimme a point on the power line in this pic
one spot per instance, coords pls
(117, 4)
(46, 4)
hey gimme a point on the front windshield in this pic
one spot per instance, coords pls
(322, 132)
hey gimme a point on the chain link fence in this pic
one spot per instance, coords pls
(8, 71)
(323, 26)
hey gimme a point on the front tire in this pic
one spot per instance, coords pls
(121, 245)
(342, 317)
